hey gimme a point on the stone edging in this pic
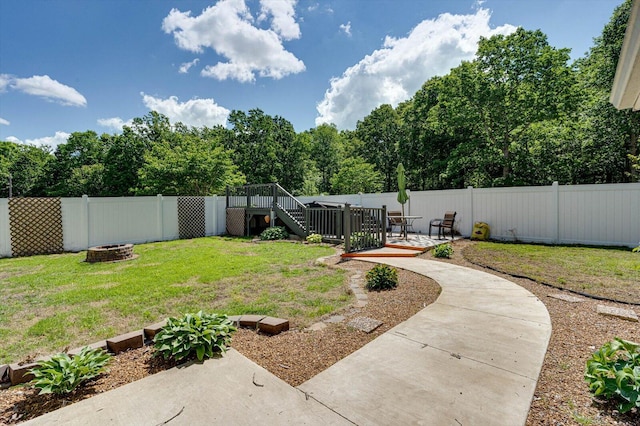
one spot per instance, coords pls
(17, 373)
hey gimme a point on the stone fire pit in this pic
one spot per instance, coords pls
(110, 253)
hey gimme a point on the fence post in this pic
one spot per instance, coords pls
(227, 198)
(306, 222)
(346, 226)
(555, 214)
(470, 190)
(384, 225)
(85, 200)
(159, 218)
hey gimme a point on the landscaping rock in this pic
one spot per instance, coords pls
(625, 314)
(334, 319)
(272, 325)
(4, 373)
(235, 319)
(317, 326)
(151, 330)
(19, 373)
(121, 343)
(250, 320)
(567, 297)
(364, 324)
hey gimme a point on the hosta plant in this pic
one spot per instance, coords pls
(61, 374)
(314, 238)
(381, 277)
(197, 335)
(613, 372)
(443, 251)
(274, 233)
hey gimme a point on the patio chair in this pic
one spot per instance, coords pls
(443, 224)
(395, 219)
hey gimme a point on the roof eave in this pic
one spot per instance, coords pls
(625, 92)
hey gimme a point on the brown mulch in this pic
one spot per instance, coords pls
(561, 397)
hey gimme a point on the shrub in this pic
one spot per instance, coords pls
(443, 251)
(198, 335)
(362, 239)
(382, 277)
(62, 373)
(274, 233)
(314, 238)
(613, 371)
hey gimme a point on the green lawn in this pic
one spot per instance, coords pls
(50, 302)
(607, 272)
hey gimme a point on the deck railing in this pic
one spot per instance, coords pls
(358, 227)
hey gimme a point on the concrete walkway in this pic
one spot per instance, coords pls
(471, 358)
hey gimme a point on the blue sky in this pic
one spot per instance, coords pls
(76, 65)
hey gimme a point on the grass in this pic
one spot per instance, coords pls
(50, 302)
(612, 273)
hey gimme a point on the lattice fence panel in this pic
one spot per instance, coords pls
(191, 217)
(236, 221)
(36, 226)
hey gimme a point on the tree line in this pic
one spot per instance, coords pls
(518, 114)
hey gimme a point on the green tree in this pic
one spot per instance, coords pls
(515, 81)
(123, 158)
(380, 132)
(356, 175)
(610, 137)
(187, 165)
(293, 152)
(252, 141)
(326, 153)
(26, 165)
(81, 149)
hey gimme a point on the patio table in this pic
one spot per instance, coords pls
(406, 222)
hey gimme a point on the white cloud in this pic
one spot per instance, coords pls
(396, 71)
(45, 87)
(194, 112)
(184, 68)
(5, 79)
(283, 13)
(114, 123)
(346, 28)
(228, 29)
(52, 141)
(4, 122)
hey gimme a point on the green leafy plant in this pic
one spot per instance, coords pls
(362, 239)
(637, 249)
(62, 374)
(443, 251)
(382, 277)
(613, 372)
(274, 233)
(199, 335)
(314, 238)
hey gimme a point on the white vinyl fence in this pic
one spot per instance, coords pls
(88, 221)
(577, 214)
(606, 214)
